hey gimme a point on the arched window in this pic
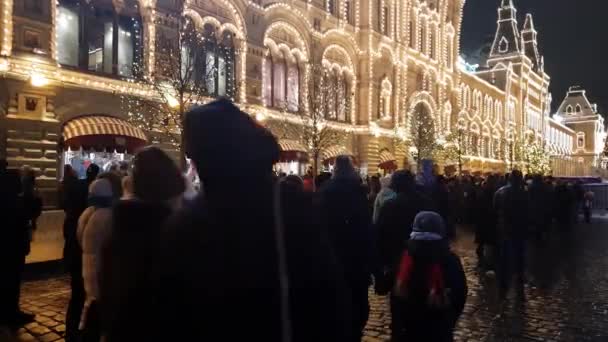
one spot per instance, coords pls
(433, 44)
(331, 94)
(348, 12)
(497, 149)
(422, 36)
(578, 108)
(331, 6)
(386, 93)
(386, 20)
(279, 84)
(293, 87)
(503, 45)
(450, 52)
(99, 39)
(569, 109)
(412, 34)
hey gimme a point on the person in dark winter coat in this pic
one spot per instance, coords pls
(231, 268)
(430, 287)
(395, 223)
(14, 245)
(511, 205)
(485, 228)
(127, 274)
(74, 201)
(540, 206)
(346, 216)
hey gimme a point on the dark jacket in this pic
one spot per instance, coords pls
(346, 217)
(421, 321)
(126, 279)
(511, 205)
(73, 199)
(218, 272)
(540, 203)
(394, 225)
(485, 230)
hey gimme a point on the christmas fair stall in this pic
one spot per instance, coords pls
(293, 159)
(101, 140)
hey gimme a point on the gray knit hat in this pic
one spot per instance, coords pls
(428, 225)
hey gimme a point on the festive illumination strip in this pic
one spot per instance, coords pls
(277, 25)
(283, 50)
(343, 34)
(7, 21)
(54, 38)
(236, 16)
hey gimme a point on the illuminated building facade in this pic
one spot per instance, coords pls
(65, 59)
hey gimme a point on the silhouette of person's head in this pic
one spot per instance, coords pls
(156, 177)
(516, 178)
(403, 181)
(92, 173)
(219, 134)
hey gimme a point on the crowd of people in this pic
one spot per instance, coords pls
(268, 257)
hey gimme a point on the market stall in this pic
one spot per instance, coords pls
(99, 139)
(293, 159)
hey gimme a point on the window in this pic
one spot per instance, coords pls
(486, 147)
(433, 45)
(331, 7)
(474, 144)
(379, 15)
(33, 7)
(578, 108)
(503, 45)
(386, 92)
(412, 34)
(580, 140)
(421, 38)
(569, 109)
(281, 83)
(96, 39)
(385, 21)
(497, 153)
(336, 96)
(348, 12)
(450, 53)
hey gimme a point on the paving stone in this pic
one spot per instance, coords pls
(39, 330)
(49, 337)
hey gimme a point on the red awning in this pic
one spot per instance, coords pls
(100, 132)
(292, 151)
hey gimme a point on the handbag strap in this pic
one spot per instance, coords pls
(282, 265)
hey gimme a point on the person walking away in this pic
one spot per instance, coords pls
(14, 243)
(485, 230)
(255, 277)
(540, 206)
(94, 227)
(588, 205)
(383, 196)
(73, 198)
(32, 203)
(345, 215)
(374, 188)
(128, 257)
(430, 287)
(394, 222)
(511, 205)
(564, 201)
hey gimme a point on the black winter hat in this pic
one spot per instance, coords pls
(221, 140)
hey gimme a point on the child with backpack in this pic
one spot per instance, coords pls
(430, 284)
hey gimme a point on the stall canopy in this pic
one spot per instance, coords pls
(387, 161)
(292, 150)
(331, 153)
(102, 132)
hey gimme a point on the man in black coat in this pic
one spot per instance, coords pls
(346, 217)
(230, 268)
(511, 204)
(393, 230)
(14, 246)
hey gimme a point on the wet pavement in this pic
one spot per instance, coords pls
(566, 296)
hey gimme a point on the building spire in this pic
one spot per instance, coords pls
(530, 42)
(507, 38)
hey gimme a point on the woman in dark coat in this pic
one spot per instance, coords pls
(126, 290)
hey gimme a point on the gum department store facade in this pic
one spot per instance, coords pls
(389, 59)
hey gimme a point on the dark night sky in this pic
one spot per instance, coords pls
(571, 34)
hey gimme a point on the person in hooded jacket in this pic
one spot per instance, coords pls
(395, 222)
(346, 217)
(235, 265)
(430, 287)
(94, 228)
(130, 253)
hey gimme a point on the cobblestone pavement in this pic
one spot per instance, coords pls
(566, 291)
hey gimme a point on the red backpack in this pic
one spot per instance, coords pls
(438, 294)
